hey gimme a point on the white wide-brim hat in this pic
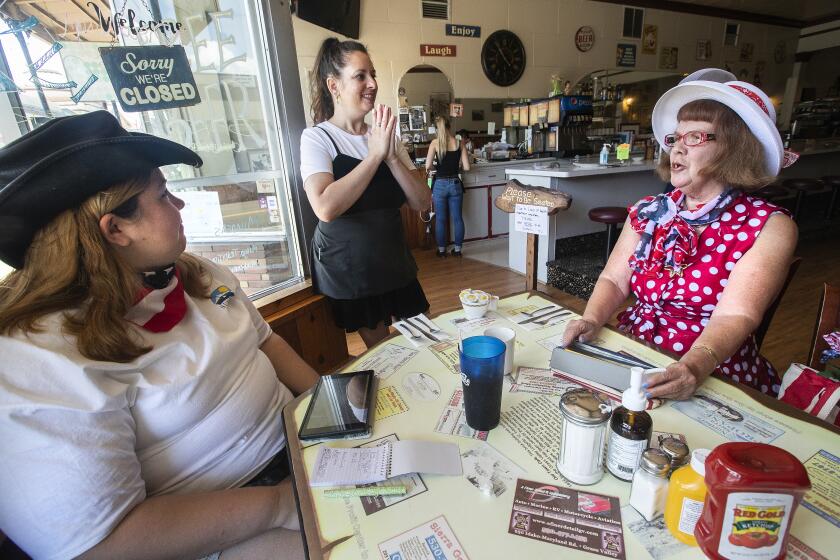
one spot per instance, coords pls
(748, 102)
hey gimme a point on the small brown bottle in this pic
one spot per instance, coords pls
(630, 430)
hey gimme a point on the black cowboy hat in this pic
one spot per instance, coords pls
(65, 161)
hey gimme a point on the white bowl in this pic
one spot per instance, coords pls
(637, 159)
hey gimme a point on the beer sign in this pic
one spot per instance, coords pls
(584, 38)
(150, 78)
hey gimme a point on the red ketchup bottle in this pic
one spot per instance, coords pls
(753, 491)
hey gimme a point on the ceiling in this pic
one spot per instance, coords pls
(791, 13)
(802, 10)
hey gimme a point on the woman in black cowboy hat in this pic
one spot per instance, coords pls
(139, 388)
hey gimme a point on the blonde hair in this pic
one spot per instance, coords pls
(443, 135)
(70, 267)
(740, 161)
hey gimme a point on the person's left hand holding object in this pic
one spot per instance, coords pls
(678, 381)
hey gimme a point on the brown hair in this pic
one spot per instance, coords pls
(740, 161)
(332, 57)
(71, 267)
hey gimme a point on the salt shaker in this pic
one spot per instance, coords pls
(585, 416)
(650, 483)
(677, 452)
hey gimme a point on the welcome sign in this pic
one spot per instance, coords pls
(150, 78)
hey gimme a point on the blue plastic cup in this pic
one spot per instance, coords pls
(482, 372)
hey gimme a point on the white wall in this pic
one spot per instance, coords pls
(393, 31)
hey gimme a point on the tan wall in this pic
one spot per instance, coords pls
(393, 31)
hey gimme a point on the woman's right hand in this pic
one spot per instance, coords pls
(381, 141)
(579, 329)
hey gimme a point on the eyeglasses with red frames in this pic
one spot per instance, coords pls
(691, 138)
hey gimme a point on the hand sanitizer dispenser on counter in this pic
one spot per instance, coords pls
(604, 156)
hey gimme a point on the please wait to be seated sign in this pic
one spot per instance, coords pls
(150, 78)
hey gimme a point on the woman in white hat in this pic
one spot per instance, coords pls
(705, 260)
(139, 387)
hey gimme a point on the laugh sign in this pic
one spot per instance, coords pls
(150, 78)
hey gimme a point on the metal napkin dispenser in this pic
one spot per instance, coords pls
(595, 366)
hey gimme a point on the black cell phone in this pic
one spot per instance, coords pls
(341, 406)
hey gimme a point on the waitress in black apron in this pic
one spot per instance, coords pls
(356, 177)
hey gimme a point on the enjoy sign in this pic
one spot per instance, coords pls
(151, 77)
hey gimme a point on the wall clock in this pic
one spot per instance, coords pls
(503, 58)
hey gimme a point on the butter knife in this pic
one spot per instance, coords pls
(544, 319)
(428, 335)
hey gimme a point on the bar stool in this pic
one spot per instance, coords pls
(612, 216)
(832, 182)
(802, 186)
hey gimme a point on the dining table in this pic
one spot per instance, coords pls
(511, 500)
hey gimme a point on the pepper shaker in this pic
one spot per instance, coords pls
(677, 452)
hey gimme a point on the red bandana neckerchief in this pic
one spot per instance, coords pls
(161, 303)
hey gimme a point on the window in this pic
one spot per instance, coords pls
(238, 211)
(730, 37)
(633, 23)
(435, 9)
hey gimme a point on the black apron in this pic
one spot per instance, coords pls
(363, 252)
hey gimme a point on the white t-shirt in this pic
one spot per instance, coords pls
(84, 442)
(317, 152)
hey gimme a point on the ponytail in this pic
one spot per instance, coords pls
(332, 57)
(443, 134)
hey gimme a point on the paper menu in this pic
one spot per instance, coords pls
(365, 465)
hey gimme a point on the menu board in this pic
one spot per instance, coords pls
(554, 110)
(506, 119)
(523, 115)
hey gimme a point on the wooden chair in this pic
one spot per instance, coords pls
(828, 320)
(761, 331)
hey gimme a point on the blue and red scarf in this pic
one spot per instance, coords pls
(668, 236)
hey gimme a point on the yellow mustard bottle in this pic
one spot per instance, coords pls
(686, 494)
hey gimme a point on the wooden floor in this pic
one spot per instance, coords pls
(787, 341)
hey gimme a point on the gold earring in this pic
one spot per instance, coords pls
(338, 98)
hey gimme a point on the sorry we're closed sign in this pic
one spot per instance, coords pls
(149, 78)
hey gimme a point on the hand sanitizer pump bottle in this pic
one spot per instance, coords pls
(604, 156)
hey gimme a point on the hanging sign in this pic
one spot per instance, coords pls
(456, 30)
(584, 38)
(150, 78)
(625, 55)
(456, 110)
(437, 50)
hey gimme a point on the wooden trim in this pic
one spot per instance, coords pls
(710, 11)
(271, 309)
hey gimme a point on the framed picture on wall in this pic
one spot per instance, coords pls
(478, 114)
(668, 58)
(259, 160)
(704, 50)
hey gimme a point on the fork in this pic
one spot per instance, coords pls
(432, 327)
(551, 316)
(415, 335)
(537, 311)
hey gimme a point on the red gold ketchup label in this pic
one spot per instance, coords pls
(754, 525)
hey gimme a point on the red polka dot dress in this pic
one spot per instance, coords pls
(671, 311)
